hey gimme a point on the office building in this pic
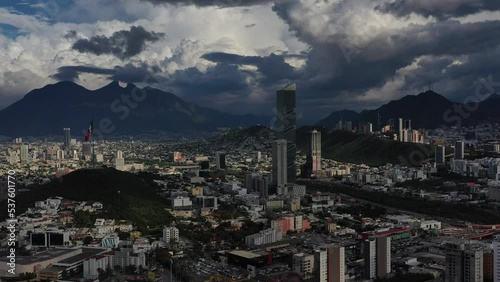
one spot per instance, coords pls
(440, 154)
(170, 234)
(24, 153)
(459, 150)
(286, 126)
(280, 169)
(303, 264)
(207, 202)
(220, 160)
(86, 150)
(67, 139)
(464, 262)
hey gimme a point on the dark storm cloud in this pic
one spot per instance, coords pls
(441, 9)
(71, 73)
(128, 73)
(122, 44)
(331, 72)
(273, 67)
(217, 3)
(218, 79)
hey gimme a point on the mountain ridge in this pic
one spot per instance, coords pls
(129, 110)
(426, 110)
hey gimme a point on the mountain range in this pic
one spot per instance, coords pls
(425, 110)
(113, 109)
(132, 110)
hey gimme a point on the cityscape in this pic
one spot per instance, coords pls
(133, 161)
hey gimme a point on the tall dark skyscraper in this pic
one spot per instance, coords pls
(221, 160)
(67, 138)
(286, 123)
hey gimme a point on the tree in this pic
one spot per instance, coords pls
(131, 268)
(87, 240)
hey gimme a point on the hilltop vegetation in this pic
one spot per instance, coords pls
(346, 146)
(124, 195)
(339, 145)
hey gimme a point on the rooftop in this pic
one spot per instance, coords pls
(244, 254)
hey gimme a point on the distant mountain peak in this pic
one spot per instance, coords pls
(494, 96)
(156, 111)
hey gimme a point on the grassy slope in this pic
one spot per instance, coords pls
(361, 148)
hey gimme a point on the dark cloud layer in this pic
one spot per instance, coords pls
(274, 68)
(128, 73)
(441, 9)
(122, 44)
(330, 72)
(217, 3)
(71, 73)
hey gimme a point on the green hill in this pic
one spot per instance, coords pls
(124, 195)
(360, 148)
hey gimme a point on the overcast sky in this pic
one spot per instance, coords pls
(233, 55)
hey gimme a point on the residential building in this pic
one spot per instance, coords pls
(170, 234)
(303, 264)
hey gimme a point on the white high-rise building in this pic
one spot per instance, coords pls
(400, 129)
(267, 236)
(119, 161)
(464, 262)
(316, 150)
(496, 259)
(258, 156)
(377, 256)
(170, 234)
(13, 158)
(280, 162)
(321, 265)
(370, 257)
(24, 153)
